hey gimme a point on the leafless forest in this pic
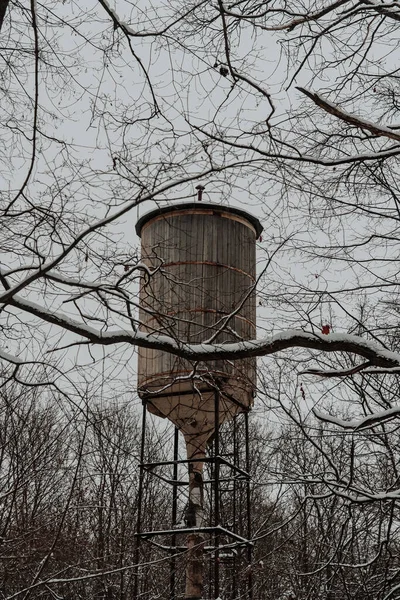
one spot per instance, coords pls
(287, 109)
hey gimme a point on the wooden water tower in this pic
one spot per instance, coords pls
(202, 289)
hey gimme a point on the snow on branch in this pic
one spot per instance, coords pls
(340, 372)
(10, 358)
(334, 109)
(365, 368)
(293, 338)
(290, 25)
(128, 30)
(116, 19)
(365, 423)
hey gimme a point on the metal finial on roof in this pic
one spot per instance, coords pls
(200, 189)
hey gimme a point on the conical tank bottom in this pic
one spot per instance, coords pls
(194, 415)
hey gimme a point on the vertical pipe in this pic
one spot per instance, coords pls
(216, 493)
(195, 540)
(172, 580)
(248, 509)
(194, 517)
(235, 496)
(211, 466)
(139, 502)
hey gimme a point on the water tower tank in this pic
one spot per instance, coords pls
(203, 289)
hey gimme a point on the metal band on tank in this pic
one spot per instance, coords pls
(201, 310)
(159, 377)
(208, 263)
(204, 211)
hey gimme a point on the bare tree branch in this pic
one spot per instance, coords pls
(338, 112)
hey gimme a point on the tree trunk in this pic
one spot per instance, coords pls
(3, 9)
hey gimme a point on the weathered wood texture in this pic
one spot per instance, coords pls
(206, 260)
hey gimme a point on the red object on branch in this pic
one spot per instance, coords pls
(326, 329)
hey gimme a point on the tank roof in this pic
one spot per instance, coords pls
(216, 208)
